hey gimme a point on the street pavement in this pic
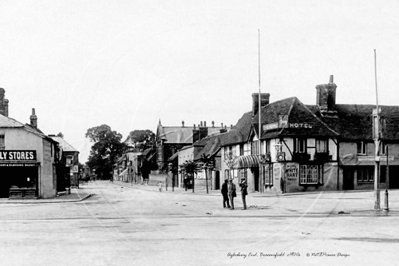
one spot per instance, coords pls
(104, 223)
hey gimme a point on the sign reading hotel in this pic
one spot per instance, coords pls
(287, 125)
(20, 155)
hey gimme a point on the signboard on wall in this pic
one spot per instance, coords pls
(75, 169)
(291, 171)
(17, 155)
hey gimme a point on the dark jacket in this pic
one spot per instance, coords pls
(224, 189)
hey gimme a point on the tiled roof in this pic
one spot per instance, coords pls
(211, 147)
(353, 122)
(7, 122)
(240, 132)
(295, 112)
(64, 145)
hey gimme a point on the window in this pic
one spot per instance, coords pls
(226, 174)
(383, 148)
(255, 147)
(361, 147)
(69, 160)
(310, 174)
(241, 149)
(268, 174)
(365, 174)
(322, 145)
(2, 142)
(300, 145)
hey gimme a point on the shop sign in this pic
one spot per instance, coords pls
(300, 125)
(291, 172)
(75, 169)
(17, 155)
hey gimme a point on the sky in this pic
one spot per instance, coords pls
(130, 64)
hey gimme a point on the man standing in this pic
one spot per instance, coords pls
(145, 170)
(225, 194)
(231, 190)
(244, 193)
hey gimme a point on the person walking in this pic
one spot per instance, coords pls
(244, 193)
(225, 194)
(145, 171)
(231, 190)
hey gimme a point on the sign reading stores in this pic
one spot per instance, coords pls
(17, 155)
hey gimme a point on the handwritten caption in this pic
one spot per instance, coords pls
(234, 255)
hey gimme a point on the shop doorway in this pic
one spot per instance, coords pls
(349, 179)
(255, 172)
(217, 180)
(18, 177)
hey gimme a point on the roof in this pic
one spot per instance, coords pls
(7, 122)
(211, 147)
(179, 134)
(354, 122)
(63, 144)
(240, 132)
(290, 117)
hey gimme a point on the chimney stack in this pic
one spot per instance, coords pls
(182, 123)
(264, 100)
(213, 123)
(325, 98)
(33, 119)
(3, 103)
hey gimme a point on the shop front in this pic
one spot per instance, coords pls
(19, 174)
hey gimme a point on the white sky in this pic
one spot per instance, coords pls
(129, 63)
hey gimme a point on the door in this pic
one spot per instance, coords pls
(256, 178)
(217, 180)
(349, 177)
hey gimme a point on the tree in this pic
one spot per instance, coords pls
(106, 150)
(190, 168)
(207, 164)
(141, 139)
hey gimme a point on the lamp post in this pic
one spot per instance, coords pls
(376, 137)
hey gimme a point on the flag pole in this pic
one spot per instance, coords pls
(376, 118)
(259, 122)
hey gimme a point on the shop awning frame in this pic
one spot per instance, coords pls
(246, 161)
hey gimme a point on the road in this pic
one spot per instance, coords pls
(138, 225)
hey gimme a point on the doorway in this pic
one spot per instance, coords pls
(349, 178)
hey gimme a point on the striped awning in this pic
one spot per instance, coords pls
(246, 161)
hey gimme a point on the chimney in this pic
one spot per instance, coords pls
(213, 123)
(3, 103)
(264, 100)
(33, 119)
(325, 98)
(182, 123)
(203, 131)
(6, 107)
(196, 134)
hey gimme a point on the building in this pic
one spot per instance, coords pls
(27, 157)
(326, 146)
(67, 168)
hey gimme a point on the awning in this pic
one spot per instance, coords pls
(174, 156)
(123, 172)
(246, 161)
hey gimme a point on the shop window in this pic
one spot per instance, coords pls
(365, 174)
(310, 174)
(2, 142)
(268, 174)
(300, 145)
(361, 147)
(322, 145)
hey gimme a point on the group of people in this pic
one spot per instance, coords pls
(229, 193)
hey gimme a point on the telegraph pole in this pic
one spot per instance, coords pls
(376, 136)
(260, 173)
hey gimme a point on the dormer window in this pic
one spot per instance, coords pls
(361, 147)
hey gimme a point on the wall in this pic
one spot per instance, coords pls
(20, 139)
